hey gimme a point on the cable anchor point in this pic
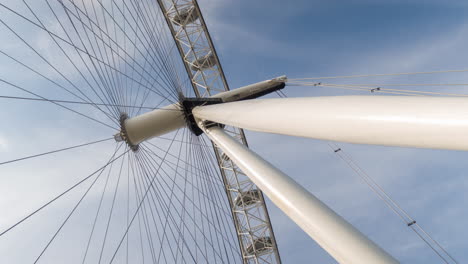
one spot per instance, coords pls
(375, 89)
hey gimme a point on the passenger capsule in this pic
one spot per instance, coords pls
(186, 16)
(204, 62)
(259, 246)
(247, 198)
(224, 157)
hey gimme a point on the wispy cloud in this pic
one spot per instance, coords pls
(3, 144)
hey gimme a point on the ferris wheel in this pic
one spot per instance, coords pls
(169, 177)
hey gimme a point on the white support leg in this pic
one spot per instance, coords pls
(339, 238)
(408, 121)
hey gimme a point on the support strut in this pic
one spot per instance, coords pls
(405, 121)
(339, 238)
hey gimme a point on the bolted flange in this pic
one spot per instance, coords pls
(122, 135)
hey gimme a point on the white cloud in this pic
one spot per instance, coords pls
(3, 144)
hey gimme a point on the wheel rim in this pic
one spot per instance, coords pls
(87, 62)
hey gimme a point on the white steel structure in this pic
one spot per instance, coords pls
(417, 122)
(178, 216)
(334, 234)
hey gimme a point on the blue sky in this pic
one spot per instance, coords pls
(263, 39)
(258, 40)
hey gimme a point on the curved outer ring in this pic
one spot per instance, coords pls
(247, 232)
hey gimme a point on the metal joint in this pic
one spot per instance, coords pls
(188, 104)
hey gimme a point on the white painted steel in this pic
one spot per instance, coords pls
(155, 123)
(245, 91)
(162, 121)
(407, 121)
(339, 238)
